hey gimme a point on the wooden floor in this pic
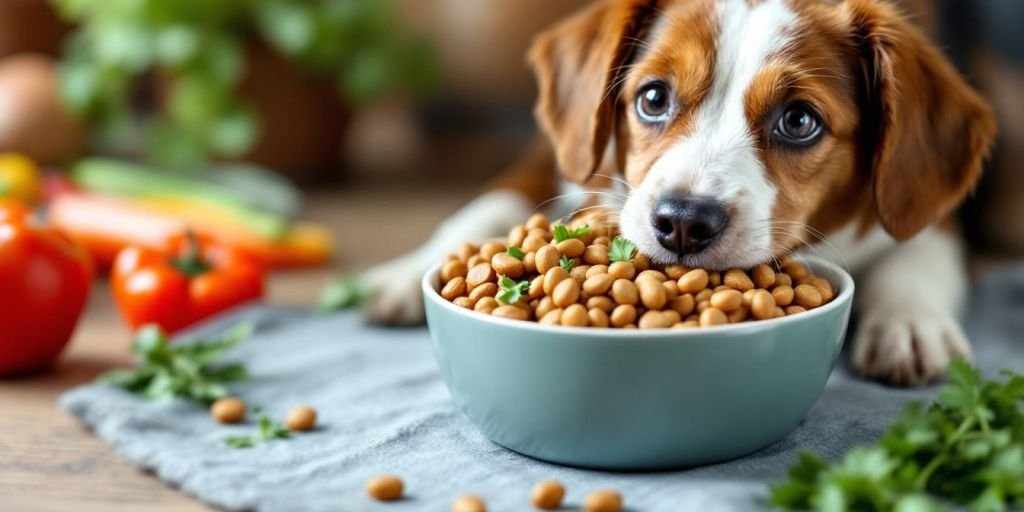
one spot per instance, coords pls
(49, 462)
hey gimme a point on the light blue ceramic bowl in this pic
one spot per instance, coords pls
(637, 400)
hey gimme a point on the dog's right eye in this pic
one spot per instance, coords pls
(654, 102)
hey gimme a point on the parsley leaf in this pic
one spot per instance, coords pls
(516, 253)
(965, 450)
(567, 263)
(344, 292)
(563, 233)
(266, 431)
(621, 250)
(183, 370)
(510, 291)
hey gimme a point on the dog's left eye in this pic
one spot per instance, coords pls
(654, 102)
(799, 124)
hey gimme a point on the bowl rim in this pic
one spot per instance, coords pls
(846, 289)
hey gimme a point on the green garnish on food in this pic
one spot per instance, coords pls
(516, 253)
(562, 233)
(183, 370)
(341, 293)
(267, 430)
(966, 450)
(621, 250)
(567, 263)
(511, 291)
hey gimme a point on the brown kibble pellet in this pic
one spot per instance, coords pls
(652, 294)
(530, 262)
(572, 247)
(543, 234)
(469, 503)
(480, 274)
(763, 276)
(727, 300)
(622, 270)
(712, 317)
(795, 270)
(228, 410)
(548, 495)
(507, 265)
(808, 296)
(474, 260)
(782, 279)
(714, 279)
(538, 221)
(702, 305)
(683, 304)
(385, 488)
(674, 272)
(598, 284)
(486, 305)
(547, 258)
(484, 290)
(596, 270)
(652, 274)
(704, 295)
(575, 316)
(536, 289)
(763, 305)
(623, 314)
(566, 293)
(603, 501)
(596, 255)
(740, 315)
(738, 280)
(603, 240)
(693, 281)
(516, 236)
(489, 249)
(783, 295)
(748, 297)
(602, 302)
(641, 262)
(511, 312)
(453, 269)
(551, 317)
(598, 318)
(534, 243)
(625, 291)
(544, 305)
(779, 312)
(454, 289)
(579, 273)
(301, 419)
(552, 277)
(464, 302)
(654, 320)
(795, 310)
(689, 324)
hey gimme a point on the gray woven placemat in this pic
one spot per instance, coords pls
(384, 409)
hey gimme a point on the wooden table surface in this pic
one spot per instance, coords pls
(50, 462)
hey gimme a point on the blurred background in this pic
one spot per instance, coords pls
(394, 105)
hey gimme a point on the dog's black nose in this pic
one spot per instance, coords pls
(687, 224)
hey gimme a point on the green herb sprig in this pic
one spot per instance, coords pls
(516, 253)
(967, 449)
(186, 370)
(266, 431)
(511, 291)
(567, 263)
(562, 233)
(621, 250)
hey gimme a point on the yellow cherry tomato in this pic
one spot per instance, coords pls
(20, 178)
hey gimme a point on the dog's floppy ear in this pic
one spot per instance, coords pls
(577, 64)
(930, 132)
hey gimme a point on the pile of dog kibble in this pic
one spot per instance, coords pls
(575, 275)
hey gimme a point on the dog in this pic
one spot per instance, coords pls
(732, 132)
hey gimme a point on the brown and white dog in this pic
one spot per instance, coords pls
(744, 130)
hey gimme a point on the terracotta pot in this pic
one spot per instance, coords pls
(29, 26)
(302, 118)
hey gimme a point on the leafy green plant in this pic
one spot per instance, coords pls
(185, 370)
(562, 233)
(567, 263)
(342, 293)
(516, 253)
(266, 430)
(197, 48)
(511, 291)
(967, 449)
(621, 250)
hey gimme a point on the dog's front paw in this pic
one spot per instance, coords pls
(394, 292)
(908, 345)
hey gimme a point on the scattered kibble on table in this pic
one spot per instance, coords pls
(603, 501)
(469, 503)
(385, 488)
(301, 419)
(228, 410)
(548, 495)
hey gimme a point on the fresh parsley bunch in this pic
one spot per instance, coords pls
(563, 233)
(967, 449)
(511, 291)
(181, 370)
(622, 250)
